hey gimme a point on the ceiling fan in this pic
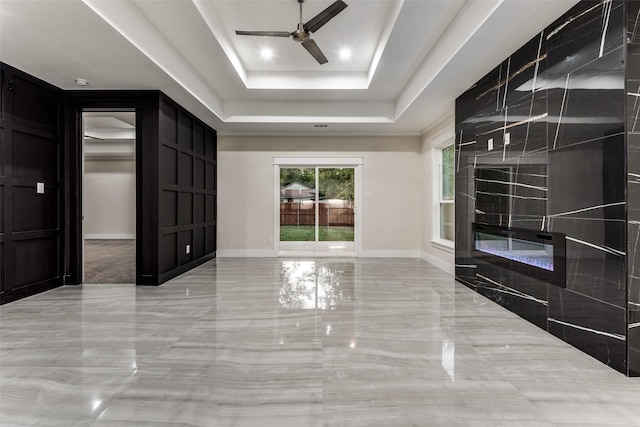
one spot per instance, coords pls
(302, 33)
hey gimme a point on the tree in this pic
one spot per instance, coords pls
(304, 176)
(335, 183)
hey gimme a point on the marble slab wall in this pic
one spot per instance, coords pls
(541, 146)
(633, 185)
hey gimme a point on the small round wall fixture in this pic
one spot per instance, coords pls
(81, 82)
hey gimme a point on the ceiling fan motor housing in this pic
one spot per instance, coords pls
(300, 34)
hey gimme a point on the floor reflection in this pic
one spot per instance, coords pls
(316, 285)
(449, 356)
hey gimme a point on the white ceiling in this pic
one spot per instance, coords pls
(109, 125)
(411, 58)
(109, 135)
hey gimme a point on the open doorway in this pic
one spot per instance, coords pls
(109, 196)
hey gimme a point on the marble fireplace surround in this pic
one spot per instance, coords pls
(556, 125)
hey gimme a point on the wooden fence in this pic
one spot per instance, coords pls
(293, 213)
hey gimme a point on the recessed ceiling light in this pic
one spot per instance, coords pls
(345, 54)
(81, 82)
(266, 53)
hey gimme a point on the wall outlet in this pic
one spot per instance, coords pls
(381, 239)
(39, 187)
(270, 239)
(490, 144)
(187, 249)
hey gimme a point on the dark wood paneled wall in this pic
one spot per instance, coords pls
(144, 103)
(187, 177)
(41, 141)
(175, 182)
(30, 153)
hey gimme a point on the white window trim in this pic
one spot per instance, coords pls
(317, 161)
(446, 139)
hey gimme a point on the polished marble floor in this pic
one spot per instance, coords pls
(268, 342)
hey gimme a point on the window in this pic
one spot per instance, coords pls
(447, 193)
(444, 193)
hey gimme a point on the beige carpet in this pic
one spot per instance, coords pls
(110, 261)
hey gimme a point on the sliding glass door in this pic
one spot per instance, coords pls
(336, 209)
(317, 210)
(298, 209)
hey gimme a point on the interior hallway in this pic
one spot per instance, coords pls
(273, 342)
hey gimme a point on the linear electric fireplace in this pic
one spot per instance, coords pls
(533, 253)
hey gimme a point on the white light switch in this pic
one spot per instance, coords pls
(188, 249)
(39, 187)
(490, 143)
(507, 138)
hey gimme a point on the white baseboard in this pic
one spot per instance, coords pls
(442, 265)
(389, 254)
(240, 253)
(109, 236)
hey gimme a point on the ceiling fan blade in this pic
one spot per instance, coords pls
(315, 51)
(263, 33)
(325, 16)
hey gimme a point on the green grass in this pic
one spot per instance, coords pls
(306, 233)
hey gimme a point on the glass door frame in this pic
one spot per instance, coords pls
(320, 162)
